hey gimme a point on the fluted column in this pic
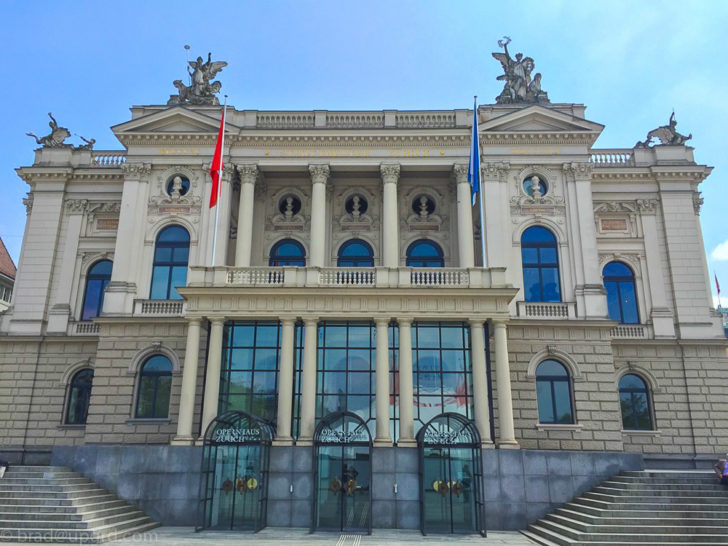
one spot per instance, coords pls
(319, 177)
(480, 382)
(465, 216)
(308, 382)
(507, 436)
(390, 215)
(189, 384)
(406, 386)
(382, 380)
(244, 243)
(285, 384)
(212, 379)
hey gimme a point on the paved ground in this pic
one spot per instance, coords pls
(185, 536)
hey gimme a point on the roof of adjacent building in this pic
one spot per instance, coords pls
(7, 266)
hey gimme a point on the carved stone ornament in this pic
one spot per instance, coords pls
(647, 206)
(201, 89)
(615, 206)
(248, 173)
(132, 170)
(495, 170)
(666, 134)
(28, 202)
(390, 172)
(76, 206)
(697, 202)
(319, 173)
(358, 217)
(460, 173)
(518, 86)
(287, 215)
(54, 139)
(575, 170)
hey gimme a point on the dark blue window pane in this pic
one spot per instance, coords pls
(532, 284)
(548, 256)
(159, 283)
(157, 364)
(356, 253)
(538, 234)
(562, 400)
(163, 254)
(539, 255)
(155, 382)
(287, 252)
(530, 255)
(545, 402)
(550, 280)
(79, 396)
(174, 234)
(553, 390)
(96, 281)
(551, 368)
(102, 268)
(181, 255)
(615, 312)
(621, 296)
(424, 253)
(629, 303)
(616, 269)
(631, 381)
(170, 263)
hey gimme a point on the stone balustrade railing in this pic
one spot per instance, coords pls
(546, 310)
(345, 277)
(109, 158)
(631, 331)
(613, 157)
(84, 328)
(158, 308)
(425, 120)
(355, 120)
(285, 120)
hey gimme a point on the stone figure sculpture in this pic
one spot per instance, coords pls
(55, 138)
(88, 144)
(518, 87)
(202, 89)
(666, 134)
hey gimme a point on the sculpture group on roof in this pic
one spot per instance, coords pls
(666, 134)
(518, 87)
(58, 135)
(201, 89)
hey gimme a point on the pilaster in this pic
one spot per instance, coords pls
(465, 216)
(497, 213)
(244, 244)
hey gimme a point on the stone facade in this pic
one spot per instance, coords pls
(294, 175)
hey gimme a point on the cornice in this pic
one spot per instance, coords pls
(540, 138)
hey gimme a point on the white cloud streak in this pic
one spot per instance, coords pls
(720, 253)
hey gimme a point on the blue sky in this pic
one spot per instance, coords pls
(630, 63)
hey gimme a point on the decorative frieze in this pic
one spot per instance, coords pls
(76, 206)
(134, 170)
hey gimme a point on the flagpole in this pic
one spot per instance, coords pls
(219, 184)
(482, 188)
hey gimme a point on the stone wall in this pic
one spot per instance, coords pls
(519, 486)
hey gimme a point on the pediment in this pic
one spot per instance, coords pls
(539, 119)
(174, 120)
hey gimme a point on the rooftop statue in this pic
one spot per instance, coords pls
(200, 90)
(55, 138)
(666, 134)
(519, 87)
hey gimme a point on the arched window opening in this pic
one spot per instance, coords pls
(634, 398)
(155, 383)
(171, 254)
(621, 294)
(79, 396)
(287, 252)
(425, 253)
(355, 253)
(93, 297)
(539, 254)
(553, 390)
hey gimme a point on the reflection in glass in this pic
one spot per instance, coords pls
(169, 269)
(634, 398)
(553, 389)
(621, 300)
(540, 263)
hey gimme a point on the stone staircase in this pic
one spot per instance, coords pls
(641, 508)
(42, 504)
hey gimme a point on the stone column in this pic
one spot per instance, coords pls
(223, 227)
(212, 379)
(285, 384)
(60, 310)
(308, 382)
(465, 216)
(244, 243)
(382, 438)
(661, 315)
(122, 288)
(189, 384)
(319, 177)
(406, 388)
(390, 215)
(494, 185)
(503, 379)
(480, 382)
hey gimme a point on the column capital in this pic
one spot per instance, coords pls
(287, 320)
(216, 320)
(248, 173)
(477, 322)
(194, 320)
(495, 170)
(309, 320)
(498, 324)
(576, 170)
(135, 170)
(460, 172)
(404, 321)
(389, 172)
(647, 206)
(319, 172)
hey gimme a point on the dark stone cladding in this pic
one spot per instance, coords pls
(520, 486)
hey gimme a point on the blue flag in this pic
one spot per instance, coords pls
(474, 166)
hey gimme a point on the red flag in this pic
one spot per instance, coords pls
(717, 286)
(216, 168)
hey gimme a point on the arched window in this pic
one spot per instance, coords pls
(79, 395)
(540, 265)
(93, 297)
(171, 254)
(424, 253)
(553, 389)
(287, 252)
(355, 253)
(634, 398)
(155, 383)
(619, 283)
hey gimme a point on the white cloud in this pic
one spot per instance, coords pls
(720, 253)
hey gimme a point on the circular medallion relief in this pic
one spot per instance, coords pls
(356, 205)
(533, 182)
(289, 205)
(177, 185)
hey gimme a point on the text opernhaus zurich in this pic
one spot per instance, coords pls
(352, 354)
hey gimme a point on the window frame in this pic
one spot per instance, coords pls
(69, 397)
(274, 259)
(428, 261)
(90, 277)
(539, 266)
(357, 261)
(551, 380)
(632, 391)
(170, 264)
(156, 375)
(618, 280)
